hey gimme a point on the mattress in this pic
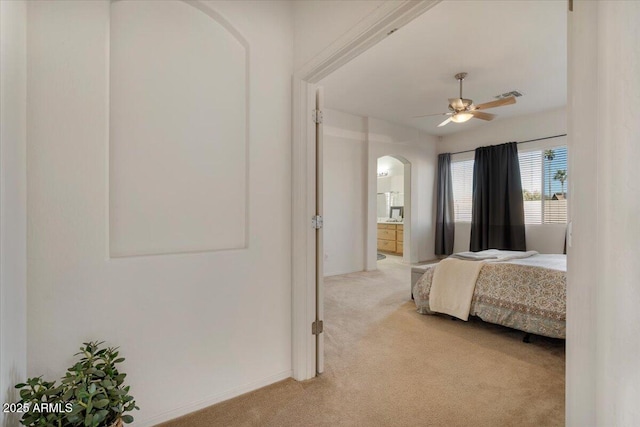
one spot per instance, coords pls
(528, 294)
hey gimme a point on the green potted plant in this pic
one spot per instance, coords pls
(91, 394)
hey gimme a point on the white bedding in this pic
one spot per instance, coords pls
(550, 261)
(454, 281)
(493, 255)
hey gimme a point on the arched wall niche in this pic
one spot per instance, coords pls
(178, 130)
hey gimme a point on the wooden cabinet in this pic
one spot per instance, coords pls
(384, 234)
(399, 238)
(387, 245)
(391, 238)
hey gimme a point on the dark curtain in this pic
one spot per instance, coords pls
(444, 207)
(497, 212)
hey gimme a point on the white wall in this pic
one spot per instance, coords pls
(199, 119)
(13, 204)
(618, 157)
(498, 131)
(318, 23)
(344, 192)
(546, 238)
(603, 322)
(190, 324)
(352, 146)
(419, 149)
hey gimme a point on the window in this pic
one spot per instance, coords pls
(531, 176)
(544, 186)
(462, 177)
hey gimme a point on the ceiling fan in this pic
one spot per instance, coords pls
(462, 109)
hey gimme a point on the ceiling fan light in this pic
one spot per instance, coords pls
(461, 117)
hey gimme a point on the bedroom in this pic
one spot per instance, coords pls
(370, 104)
(196, 316)
(411, 73)
(352, 129)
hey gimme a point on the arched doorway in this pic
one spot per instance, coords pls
(391, 230)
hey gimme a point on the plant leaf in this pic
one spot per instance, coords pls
(101, 403)
(76, 409)
(99, 417)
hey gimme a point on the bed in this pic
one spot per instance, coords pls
(528, 294)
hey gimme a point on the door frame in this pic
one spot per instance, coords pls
(409, 255)
(387, 18)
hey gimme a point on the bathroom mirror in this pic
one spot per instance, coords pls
(396, 212)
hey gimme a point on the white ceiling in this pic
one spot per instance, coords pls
(503, 45)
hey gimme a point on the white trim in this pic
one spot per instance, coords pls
(212, 400)
(348, 135)
(303, 245)
(369, 263)
(366, 33)
(389, 16)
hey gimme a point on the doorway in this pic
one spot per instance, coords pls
(393, 208)
(378, 134)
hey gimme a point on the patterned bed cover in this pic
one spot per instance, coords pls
(527, 294)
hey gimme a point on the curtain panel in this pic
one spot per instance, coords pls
(445, 221)
(497, 213)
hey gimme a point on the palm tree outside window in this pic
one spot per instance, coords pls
(561, 175)
(549, 155)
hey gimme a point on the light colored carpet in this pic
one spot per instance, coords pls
(386, 365)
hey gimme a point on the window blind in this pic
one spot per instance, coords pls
(462, 177)
(544, 185)
(531, 176)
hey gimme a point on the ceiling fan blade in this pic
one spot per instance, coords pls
(483, 116)
(445, 122)
(497, 103)
(456, 103)
(429, 115)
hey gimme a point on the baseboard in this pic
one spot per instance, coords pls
(212, 400)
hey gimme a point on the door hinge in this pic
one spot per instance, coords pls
(316, 115)
(317, 222)
(317, 327)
